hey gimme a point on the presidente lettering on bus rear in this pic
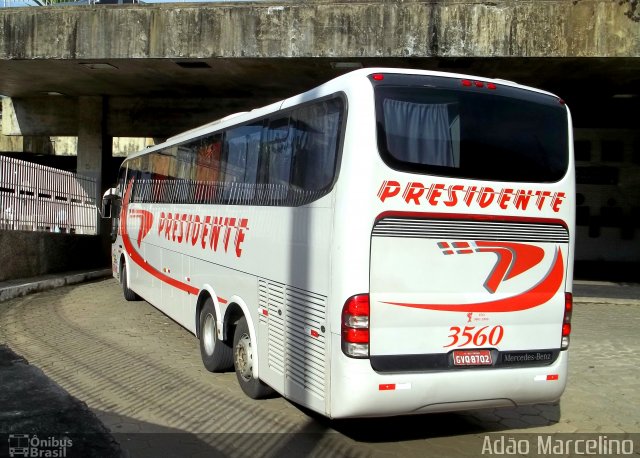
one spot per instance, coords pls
(439, 194)
(205, 231)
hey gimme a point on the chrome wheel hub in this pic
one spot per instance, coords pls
(209, 334)
(244, 360)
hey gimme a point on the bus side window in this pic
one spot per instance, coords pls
(133, 173)
(208, 169)
(316, 141)
(185, 172)
(120, 187)
(241, 169)
(278, 154)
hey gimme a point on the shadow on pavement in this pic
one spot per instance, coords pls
(37, 413)
(441, 425)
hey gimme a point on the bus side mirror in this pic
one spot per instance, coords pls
(107, 202)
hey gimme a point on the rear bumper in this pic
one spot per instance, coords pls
(359, 391)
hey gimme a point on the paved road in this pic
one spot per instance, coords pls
(32, 404)
(140, 372)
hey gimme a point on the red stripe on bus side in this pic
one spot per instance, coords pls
(135, 256)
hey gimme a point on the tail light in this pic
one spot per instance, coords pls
(469, 83)
(355, 326)
(566, 321)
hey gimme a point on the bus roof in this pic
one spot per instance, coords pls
(336, 84)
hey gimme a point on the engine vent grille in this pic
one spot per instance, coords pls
(296, 322)
(472, 230)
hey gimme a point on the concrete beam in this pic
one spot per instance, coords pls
(163, 117)
(166, 68)
(40, 116)
(124, 116)
(372, 28)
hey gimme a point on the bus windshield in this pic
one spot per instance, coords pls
(502, 134)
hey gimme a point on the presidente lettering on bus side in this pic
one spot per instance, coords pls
(206, 231)
(439, 194)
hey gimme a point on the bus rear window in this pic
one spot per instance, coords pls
(503, 135)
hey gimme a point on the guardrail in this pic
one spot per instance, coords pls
(35, 197)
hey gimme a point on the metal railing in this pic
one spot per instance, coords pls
(34, 197)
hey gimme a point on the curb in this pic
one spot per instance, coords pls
(606, 293)
(19, 288)
(605, 301)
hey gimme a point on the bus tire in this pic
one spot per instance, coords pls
(129, 295)
(217, 355)
(243, 363)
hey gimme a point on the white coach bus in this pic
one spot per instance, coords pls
(391, 242)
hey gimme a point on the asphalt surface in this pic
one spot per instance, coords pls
(111, 378)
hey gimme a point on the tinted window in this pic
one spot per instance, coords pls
(278, 154)
(315, 144)
(502, 134)
(241, 167)
(287, 159)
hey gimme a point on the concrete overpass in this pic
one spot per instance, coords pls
(158, 69)
(99, 71)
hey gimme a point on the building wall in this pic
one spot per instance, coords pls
(608, 200)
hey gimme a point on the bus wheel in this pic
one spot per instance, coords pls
(243, 362)
(128, 294)
(216, 355)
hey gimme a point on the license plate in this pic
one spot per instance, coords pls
(472, 358)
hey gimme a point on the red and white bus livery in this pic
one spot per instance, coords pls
(391, 242)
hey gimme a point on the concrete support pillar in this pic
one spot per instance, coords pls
(94, 145)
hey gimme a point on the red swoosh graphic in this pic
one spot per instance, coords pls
(135, 256)
(146, 221)
(539, 294)
(513, 259)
